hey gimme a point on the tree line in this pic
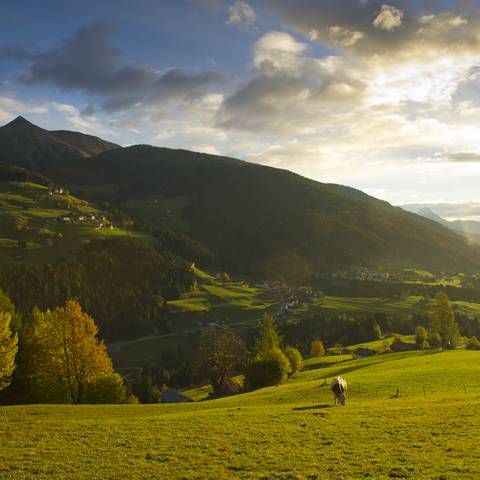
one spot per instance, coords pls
(122, 283)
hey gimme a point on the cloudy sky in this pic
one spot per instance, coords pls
(380, 95)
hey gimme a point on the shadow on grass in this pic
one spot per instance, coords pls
(314, 407)
(317, 366)
(372, 362)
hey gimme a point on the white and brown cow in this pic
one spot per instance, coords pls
(339, 388)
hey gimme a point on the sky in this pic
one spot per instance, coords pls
(383, 96)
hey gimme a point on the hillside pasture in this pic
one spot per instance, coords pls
(390, 306)
(31, 228)
(287, 432)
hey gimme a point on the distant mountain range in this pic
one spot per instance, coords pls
(468, 228)
(257, 220)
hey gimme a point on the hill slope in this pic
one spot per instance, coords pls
(267, 221)
(26, 145)
(286, 432)
(258, 220)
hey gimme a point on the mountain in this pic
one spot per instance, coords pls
(25, 145)
(257, 220)
(429, 213)
(266, 221)
(468, 228)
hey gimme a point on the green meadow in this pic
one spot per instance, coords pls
(235, 303)
(398, 306)
(241, 305)
(430, 431)
(28, 214)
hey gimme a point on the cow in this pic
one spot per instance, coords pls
(339, 388)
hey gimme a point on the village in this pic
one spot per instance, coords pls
(95, 220)
(379, 275)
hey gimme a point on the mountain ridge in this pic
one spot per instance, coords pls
(468, 228)
(258, 220)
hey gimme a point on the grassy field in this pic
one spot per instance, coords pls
(286, 432)
(241, 305)
(234, 303)
(401, 307)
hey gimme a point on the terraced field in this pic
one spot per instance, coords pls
(398, 306)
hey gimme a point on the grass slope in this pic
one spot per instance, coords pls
(400, 307)
(287, 432)
(234, 303)
(29, 214)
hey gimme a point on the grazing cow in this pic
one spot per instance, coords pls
(339, 388)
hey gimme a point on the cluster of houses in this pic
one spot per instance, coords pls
(95, 220)
(364, 274)
(57, 191)
(379, 275)
(295, 298)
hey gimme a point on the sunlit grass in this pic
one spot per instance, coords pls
(286, 432)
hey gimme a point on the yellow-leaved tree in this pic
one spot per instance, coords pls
(64, 361)
(8, 349)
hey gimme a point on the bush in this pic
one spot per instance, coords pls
(421, 335)
(295, 359)
(145, 389)
(473, 343)
(317, 349)
(272, 368)
(106, 388)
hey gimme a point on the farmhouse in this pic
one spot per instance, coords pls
(364, 352)
(401, 346)
(170, 395)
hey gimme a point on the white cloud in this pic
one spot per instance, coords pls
(313, 34)
(78, 122)
(241, 15)
(277, 49)
(344, 37)
(388, 19)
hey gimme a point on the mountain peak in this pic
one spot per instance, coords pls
(19, 123)
(427, 212)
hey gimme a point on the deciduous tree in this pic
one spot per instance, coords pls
(62, 360)
(295, 359)
(317, 349)
(8, 349)
(219, 353)
(421, 335)
(442, 320)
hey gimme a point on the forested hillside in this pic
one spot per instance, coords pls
(265, 221)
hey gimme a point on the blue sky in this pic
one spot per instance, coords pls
(380, 95)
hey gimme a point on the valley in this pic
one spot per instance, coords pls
(239, 240)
